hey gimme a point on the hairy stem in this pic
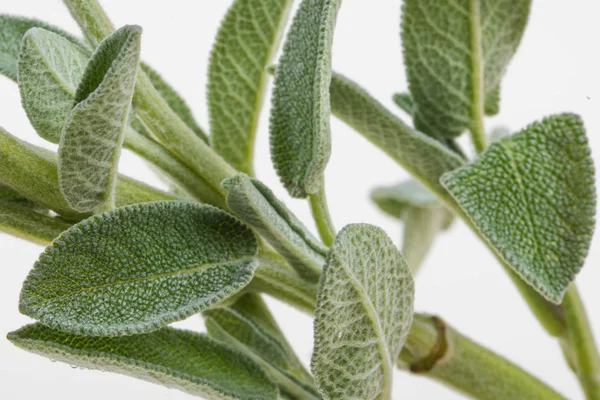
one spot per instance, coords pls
(320, 211)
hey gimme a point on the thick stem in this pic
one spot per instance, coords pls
(436, 350)
(581, 347)
(320, 211)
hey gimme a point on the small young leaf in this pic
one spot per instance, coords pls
(455, 54)
(249, 327)
(175, 358)
(173, 99)
(533, 197)
(364, 312)
(299, 126)
(12, 30)
(164, 261)
(246, 43)
(50, 68)
(424, 157)
(405, 102)
(90, 145)
(256, 205)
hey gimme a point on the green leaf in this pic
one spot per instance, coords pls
(364, 312)
(90, 145)
(164, 260)
(533, 197)
(50, 68)
(246, 43)
(12, 30)
(405, 102)
(249, 327)
(425, 158)
(299, 126)
(492, 101)
(397, 200)
(175, 358)
(256, 205)
(456, 53)
(173, 99)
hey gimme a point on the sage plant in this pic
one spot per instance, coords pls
(125, 260)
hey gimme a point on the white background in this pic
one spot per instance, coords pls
(556, 69)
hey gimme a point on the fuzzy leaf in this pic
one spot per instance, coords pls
(405, 102)
(256, 205)
(422, 156)
(50, 68)
(456, 53)
(90, 145)
(173, 99)
(533, 197)
(175, 358)
(299, 126)
(164, 260)
(398, 199)
(364, 312)
(12, 30)
(249, 327)
(246, 43)
(492, 101)
(24, 219)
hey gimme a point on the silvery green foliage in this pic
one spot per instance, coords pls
(93, 134)
(256, 204)
(50, 69)
(533, 196)
(179, 359)
(423, 216)
(299, 125)
(248, 39)
(12, 30)
(405, 102)
(248, 326)
(363, 315)
(455, 54)
(136, 269)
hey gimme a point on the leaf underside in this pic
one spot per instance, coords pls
(363, 315)
(138, 268)
(246, 43)
(533, 197)
(174, 358)
(456, 53)
(299, 125)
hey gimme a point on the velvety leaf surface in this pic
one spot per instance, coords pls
(12, 30)
(456, 53)
(424, 157)
(138, 268)
(175, 358)
(249, 327)
(364, 312)
(299, 126)
(246, 43)
(173, 99)
(90, 145)
(50, 68)
(256, 205)
(533, 197)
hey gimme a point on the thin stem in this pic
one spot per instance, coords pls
(320, 212)
(436, 350)
(583, 348)
(477, 128)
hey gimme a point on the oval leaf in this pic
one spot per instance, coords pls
(50, 68)
(256, 205)
(12, 30)
(90, 145)
(456, 53)
(299, 126)
(138, 268)
(533, 197)
(179, 359)
(364, 313)
(247, 41)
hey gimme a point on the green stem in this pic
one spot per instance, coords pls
(477, 105)
(436, 350)
(320, 212)
(23, 219)
(581, 346)
(92, 19)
